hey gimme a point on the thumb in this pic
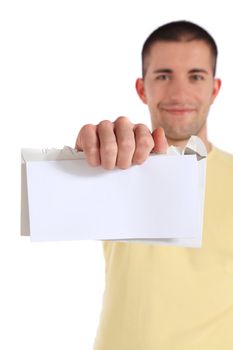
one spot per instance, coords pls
(160, 141)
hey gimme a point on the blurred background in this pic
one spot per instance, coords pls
(64, 64)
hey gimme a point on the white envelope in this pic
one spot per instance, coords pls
(161, 201)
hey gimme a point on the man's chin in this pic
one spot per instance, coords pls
(178, 137)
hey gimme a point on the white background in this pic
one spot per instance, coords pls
(63, 64)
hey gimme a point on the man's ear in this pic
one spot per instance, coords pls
(217, 86)
(141, 90)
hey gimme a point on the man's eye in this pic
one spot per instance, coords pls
(163, 77)
(197, 77)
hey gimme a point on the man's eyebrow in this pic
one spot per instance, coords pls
(191, 71)
(162, 70)
(198, 70)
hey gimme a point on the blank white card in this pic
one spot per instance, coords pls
(161, 199)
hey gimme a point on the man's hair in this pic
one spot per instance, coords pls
(179, 31)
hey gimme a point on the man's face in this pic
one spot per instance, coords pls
(179, 87)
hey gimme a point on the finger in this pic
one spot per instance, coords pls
(88, 142)
(144, 143)
(160, 141)
(108, 144)
(126, 143)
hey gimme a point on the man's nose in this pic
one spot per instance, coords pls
(178, 90)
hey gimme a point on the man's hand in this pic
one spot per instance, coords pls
(119, 143)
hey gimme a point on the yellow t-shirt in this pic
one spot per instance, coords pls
(174, 298)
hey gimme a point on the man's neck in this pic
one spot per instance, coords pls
(183, 143)
(202, 134)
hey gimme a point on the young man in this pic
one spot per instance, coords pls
(159, 297)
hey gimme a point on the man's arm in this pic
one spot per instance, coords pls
(120, 143)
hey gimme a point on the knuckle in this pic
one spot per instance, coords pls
(108, 166)
(105, 123)
(142, 126)
(87, 128)
(84, 136)
(122, 120)
(125, 145)
(145, 142)
(92, 154)
(123, 163)
(91, 150)
(123, 166)
(139, 158)
(108, 149)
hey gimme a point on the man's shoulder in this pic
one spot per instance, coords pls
(222, 157)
